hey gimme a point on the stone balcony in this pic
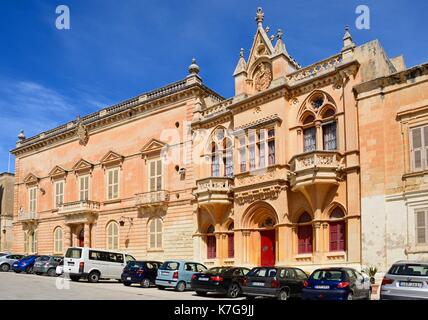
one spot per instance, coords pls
(316, 167)
(79, 207)
(152, 199)
(214, 191)
(28, 217)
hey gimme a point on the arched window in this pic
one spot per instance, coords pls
(227, 157)
(231, 241)
(221, 149)
(211, 243)
(30, 245)
(155, 233)
(113, 236)
(305, 234)
(215, 161)
(58, 240)
(337, 231)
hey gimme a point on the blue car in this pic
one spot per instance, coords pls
(142, 272)
(336, 284)
(177, 274)
(26, 264)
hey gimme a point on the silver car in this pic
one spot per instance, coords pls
(46, 265)
(7, 260)
(406, 280)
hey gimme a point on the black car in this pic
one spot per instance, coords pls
(274, 282)
(141, 272)
(224, 280)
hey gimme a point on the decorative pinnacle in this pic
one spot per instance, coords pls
(279, 34)
(241, 53)
(267, 29)
(193, 68)
(259, 16)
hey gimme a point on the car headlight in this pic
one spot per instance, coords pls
(24, 263)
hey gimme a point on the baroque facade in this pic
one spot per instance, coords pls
(305, 166)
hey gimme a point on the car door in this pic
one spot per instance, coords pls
(362, 285)
(354, 284)
(151, 271)
(116, 265)
(189, 270)
(291, 281)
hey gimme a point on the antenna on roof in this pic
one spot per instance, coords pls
(8, 163)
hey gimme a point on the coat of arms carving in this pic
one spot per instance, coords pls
(262, 77)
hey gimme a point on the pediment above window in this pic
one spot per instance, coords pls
(31, 179)
(112, 158)
(153, 147)
(83, 166)
(58, 172)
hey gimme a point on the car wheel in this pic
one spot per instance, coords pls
(93, 277)
(161, 288)
(283, 295)
(38, 273)
(74, 278)
(350, 296)
(201, 293)
(233, 291)
(145, 283)
(126, 284)
(17, 271)
(51, 273)
(5, 267)
(29, 270)
(181, 286)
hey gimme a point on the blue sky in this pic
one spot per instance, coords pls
(118, 49)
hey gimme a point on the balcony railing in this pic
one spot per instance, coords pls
(28, 216)
(76, 207)
(153, 198)
(315, 167)
(214, 190)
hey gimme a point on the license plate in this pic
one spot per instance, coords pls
(258, 284)
(410, 284)
(322, 287)
(203, 279)
(165, 273)
(70, 263)
(128, 278)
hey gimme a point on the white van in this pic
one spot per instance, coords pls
(94, 264)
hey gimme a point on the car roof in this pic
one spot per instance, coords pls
(411, 262)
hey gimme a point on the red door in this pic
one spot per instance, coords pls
(82, 238)
(267, 248)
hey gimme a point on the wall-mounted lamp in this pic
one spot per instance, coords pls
(43, 191)
(122, 221)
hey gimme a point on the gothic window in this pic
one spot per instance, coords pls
(231, 241)
(329, 136)
(305, 234)
(211, 243)
(337, 231)
(310, 138)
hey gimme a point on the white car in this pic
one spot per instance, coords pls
(94, 264)
(60, 268)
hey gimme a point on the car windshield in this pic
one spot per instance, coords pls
(169, 266)
(409, 270)
(263, 272)
(44, 258)
(330, 275)
(134, 264)
(27, 257)
(218, 270)
(74, 253)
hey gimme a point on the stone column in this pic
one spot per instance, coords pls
(319, 136)
(68, 241)
(87, 231)
(299, 141)
(318, 242)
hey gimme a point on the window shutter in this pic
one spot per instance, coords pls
(231, 245)
(421, 227)
(416, 148)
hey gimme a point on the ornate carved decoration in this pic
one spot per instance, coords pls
(58, 172)
(82, 133)
(262, 76)
(112, 158)
(31, 179)
(82, 166)
(268, 193)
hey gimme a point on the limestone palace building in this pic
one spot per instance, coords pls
(306, 166)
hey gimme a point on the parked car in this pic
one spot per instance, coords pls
(3, 254)
(25, 264)
(46, 265)
(94, 264)
(60, 268)
(141, 272)
(337, 284)
(177, 274)
(405, 280)
(274, 282)
(7, 260)
(224, 280)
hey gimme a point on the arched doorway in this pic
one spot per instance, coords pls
(260, 220)
(81, 238)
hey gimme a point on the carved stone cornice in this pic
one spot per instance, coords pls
(268, 193)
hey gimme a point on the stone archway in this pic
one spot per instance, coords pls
(260, 234)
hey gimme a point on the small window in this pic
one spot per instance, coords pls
(113, 184)
(113, 236)
(421, 223)
(419, 148)
(155, 233)
(73, 253)
(32, 199)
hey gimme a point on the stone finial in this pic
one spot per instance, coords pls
(194, 68)
(21, 136)
(259, 16)
(279, 34)
(241, 65)
(267, 29)
(347, 39)
(241, 53)
(272, 37)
